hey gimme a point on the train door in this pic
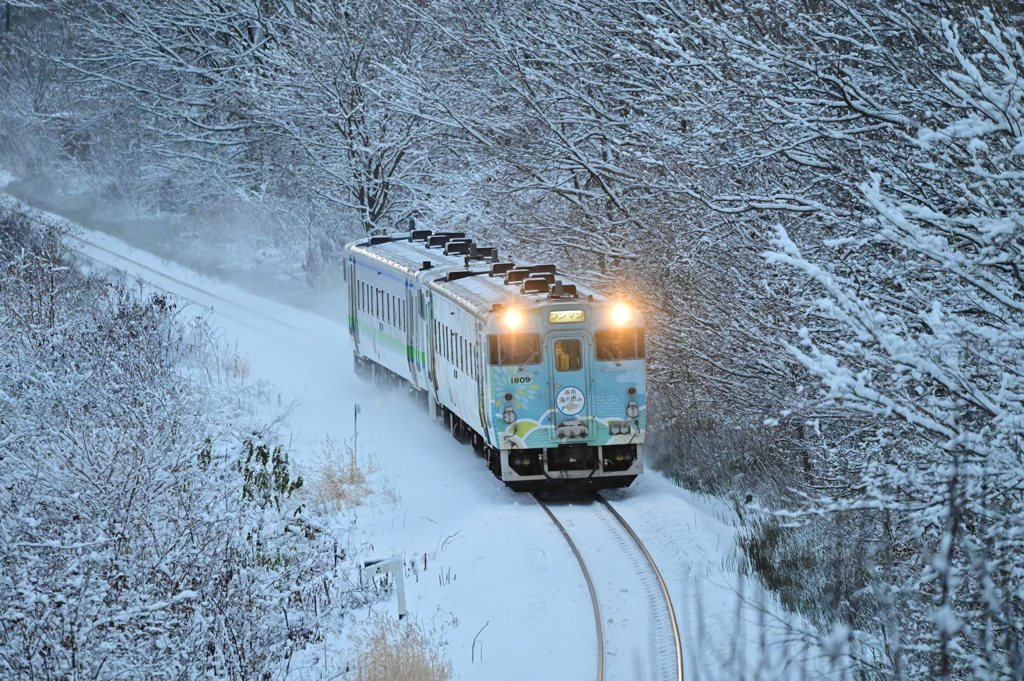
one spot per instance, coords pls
(570, 384)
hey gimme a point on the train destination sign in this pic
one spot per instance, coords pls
(566, 316)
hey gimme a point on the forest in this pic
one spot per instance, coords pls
(817, 205)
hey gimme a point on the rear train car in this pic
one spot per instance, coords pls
(544, 378)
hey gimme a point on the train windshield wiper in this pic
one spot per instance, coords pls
(529, 361)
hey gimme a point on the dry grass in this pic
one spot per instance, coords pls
(237, 366)
(398, 651)
(338, 479)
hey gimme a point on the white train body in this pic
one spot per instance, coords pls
(546, 380)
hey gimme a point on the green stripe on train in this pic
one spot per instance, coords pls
(398, 345)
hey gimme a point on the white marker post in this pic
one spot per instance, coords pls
(396, 567)
(355, 429)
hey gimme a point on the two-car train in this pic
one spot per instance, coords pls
(546, 379)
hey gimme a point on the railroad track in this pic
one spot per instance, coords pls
(637, 633)
(106, 257)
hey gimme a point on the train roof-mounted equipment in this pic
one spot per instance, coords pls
(376, 240)
(560, 290)
(534, 285)
(546, 276)
(419, 234)
(441, 238)
(500, 268)
(516, 275)
(458, 247)
(461, 274)
(483, 253)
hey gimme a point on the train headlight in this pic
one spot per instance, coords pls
(509, 416)
(632, 410)
(513, 319)
(621, 314)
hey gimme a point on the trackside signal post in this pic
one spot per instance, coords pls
(394, 565)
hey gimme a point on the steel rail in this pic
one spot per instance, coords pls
(590, 585)
(657, 574)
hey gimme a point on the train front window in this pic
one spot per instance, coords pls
(507, 349)
(619, 344)
(568, 354)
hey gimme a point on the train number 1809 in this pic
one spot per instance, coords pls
(520, 379)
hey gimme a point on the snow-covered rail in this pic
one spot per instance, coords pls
(638, 636)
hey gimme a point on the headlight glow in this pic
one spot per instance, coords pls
(621, 314)
(513, 319)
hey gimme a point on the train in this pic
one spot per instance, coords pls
(545, 378)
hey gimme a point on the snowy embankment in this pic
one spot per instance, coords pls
(486, 571)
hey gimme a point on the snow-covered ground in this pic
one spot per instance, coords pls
(488, 572)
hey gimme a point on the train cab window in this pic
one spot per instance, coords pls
(514, 349)
(568, 354)
(619, 344)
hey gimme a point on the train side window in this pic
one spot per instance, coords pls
(568, 354)
(619, 344)
(514, 349)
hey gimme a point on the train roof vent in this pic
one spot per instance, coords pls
(374, 240)
(486, 253)
(437, 240)
(458, 247)
(549, 269)
(516, 275)
(546, 276)
(501, 268)
(560, 290)
(462, 274)
(419, 234)
(534, 285)
(453, 235)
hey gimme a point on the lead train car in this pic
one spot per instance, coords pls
(545, 379)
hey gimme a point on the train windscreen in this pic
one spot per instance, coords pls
(508, 349)
(619, 344)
